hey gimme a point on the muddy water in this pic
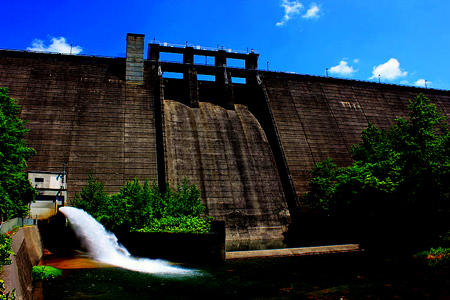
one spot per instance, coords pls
(86, 278)
(77, 260)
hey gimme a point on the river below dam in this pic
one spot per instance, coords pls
(351, 275)
(257, 278)
(108, 271)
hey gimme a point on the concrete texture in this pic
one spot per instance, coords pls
(323, 117)
(292, 251)
(43, 209)
(28, 247)
(135, 59)
(82, 112)
(227, 154)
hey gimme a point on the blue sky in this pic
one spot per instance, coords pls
(394, 41)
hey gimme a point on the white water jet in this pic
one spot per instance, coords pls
(103, 246)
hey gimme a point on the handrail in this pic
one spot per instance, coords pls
(197, 47)
(16, 222)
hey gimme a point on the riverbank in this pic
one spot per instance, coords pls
(28, 247)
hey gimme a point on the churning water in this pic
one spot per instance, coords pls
(103, 246)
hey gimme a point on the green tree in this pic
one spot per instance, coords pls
(142, 207)
(15, 189)
(402, 172)
(92, 197)
(183, 201)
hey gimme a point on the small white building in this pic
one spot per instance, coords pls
(52, 189)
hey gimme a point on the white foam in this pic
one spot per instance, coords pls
(103, 246)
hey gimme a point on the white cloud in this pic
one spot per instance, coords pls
(390, 70)
(291, 8)
(313, 12)
(405, 82)
(58, 45)
(343, 69)
(422, 83)
(356, 60)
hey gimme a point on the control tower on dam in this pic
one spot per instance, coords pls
(246, 137)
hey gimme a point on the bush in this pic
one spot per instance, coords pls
(144, 207)
(92, 197)
(45, 272)
(5, 250)
(8, 296)
(183, 224)
(436, 257)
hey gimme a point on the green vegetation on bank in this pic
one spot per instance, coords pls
(6, 296)
(16, 192)
(15, 189)
(436, 257)
(45, 272)
(397, 185)
(5, 252)
(144, 208)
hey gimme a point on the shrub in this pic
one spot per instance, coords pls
(183, 224)
(5, 253)
(92, 197)
(436, 257)
(144, 208)
(45, 272)
(5, 250)
(6, 296)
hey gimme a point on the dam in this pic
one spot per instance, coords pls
(247, 138)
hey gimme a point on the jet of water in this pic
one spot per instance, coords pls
(103, 246)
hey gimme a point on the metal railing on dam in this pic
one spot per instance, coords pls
(16, 222)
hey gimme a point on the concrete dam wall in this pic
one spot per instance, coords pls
(82, 113)
(248, 147)
(320, 117)
(227, 153)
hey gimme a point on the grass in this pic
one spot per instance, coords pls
(334, 276)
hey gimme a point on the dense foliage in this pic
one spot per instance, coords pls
(182, 224)
(402, 171)
(436, 257)
(15, 189)
(45, 272)
(5, 250)
(6, 296)
(142, 207)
